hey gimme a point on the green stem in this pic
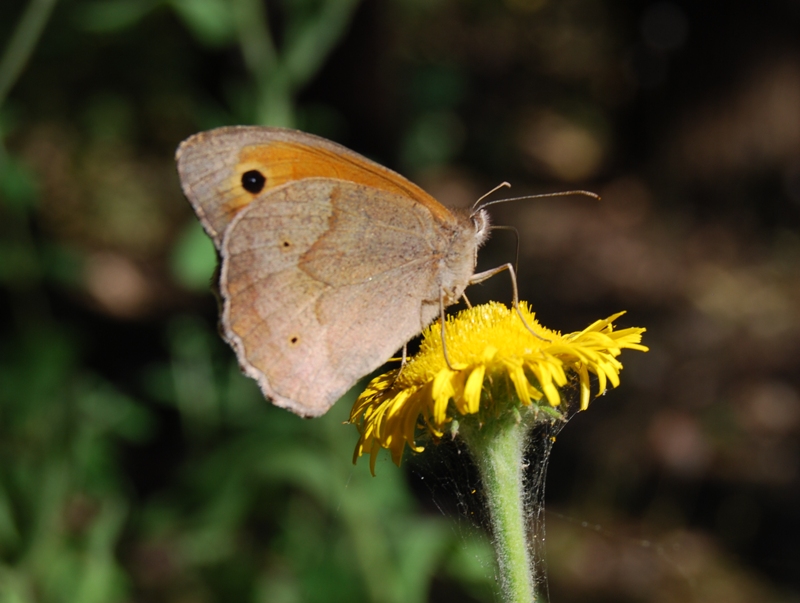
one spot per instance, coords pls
(498, 448)
(278, 75)
(22, 42)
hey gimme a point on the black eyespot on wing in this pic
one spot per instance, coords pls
(253, 181)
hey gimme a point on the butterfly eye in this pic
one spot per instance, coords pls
(253, 181)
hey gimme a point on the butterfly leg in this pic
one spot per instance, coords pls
(441, 322)
(487, 274)
(403, 362)
(466, 300)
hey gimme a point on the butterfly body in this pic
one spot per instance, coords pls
(329, 261)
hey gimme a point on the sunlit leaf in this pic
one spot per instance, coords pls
(194, 258)
(211, 21)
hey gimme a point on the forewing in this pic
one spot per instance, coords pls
(211, 165)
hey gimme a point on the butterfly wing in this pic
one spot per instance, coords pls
(322, 280)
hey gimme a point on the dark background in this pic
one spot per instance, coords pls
(136, 464)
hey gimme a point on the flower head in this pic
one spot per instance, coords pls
(496, 366)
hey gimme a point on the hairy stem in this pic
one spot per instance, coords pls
(498, 450)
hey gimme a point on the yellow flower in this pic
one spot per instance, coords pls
(497, 364)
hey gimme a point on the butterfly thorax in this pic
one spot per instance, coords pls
(458, 263)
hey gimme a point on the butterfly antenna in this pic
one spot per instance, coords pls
(478, 204)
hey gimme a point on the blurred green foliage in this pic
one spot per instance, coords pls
(193, 257)
(182, 484)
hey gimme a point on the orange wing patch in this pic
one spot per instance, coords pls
(282, 162)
